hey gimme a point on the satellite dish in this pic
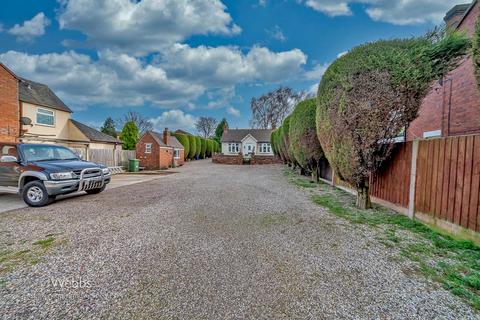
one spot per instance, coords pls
(26, 121)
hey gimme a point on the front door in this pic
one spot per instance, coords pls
(248, 148)
(9, 171)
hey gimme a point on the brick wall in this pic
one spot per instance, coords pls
(225, 159)
(181, 161)
(9, 107)
(266, 160)
(151, 161)
(465, 98)
(166, 158)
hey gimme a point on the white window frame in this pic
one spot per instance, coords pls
(265, 148)
(148, 148)
(45, 112)
(233, 147)
(176, 153)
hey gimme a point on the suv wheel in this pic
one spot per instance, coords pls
(35, 195)
(96, 191)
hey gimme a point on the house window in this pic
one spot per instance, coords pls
(148, 148)
(45, 117)
(233, 147)
(265, 148)
(176, 153)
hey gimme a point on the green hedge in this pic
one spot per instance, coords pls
(476, 50)
(193, 147)
(304, 144)
(210, 148)
(203, 151)
(348, 130)
(198, 149)
(285, 140)
(183, 139)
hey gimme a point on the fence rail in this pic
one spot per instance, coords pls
(107, 157)
(392, 181)
(447, 179)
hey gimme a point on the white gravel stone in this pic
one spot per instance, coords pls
(210, 242)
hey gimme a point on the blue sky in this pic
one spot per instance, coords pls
(176, 60)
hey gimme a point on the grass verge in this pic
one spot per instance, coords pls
(9, 259)
(452, 262)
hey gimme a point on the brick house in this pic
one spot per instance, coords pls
(32, 113)
(9, 106)
(159, 151)
(453, 105)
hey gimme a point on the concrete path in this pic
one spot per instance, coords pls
(210, 242)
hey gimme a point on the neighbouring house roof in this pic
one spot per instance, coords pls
(40, 94)
(174, 143)
(237, 135)
(94, 134)
(459, 9)
(8, 70)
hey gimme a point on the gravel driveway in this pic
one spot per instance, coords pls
(210, 242)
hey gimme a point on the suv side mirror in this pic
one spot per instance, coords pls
(8, 159)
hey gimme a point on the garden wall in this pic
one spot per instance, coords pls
(256, 159)
(227, 159)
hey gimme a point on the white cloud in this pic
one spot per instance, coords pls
(225, 66)
(400, 12)
(176, 80)
(317, 72)
(234, 112)
(341, 54)
(1, 27)
(277, 34)
(114, 79)
(145, 26)
(30, 28)
(174, 119)
(262, 3)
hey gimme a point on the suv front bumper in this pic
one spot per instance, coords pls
(57, 187)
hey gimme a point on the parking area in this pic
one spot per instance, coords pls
(10, 200)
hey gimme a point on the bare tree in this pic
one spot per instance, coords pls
(269, 110)
(206, 126)
(143, 124)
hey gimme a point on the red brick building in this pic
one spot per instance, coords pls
(159, 151)
(453, 105)
(9, 106)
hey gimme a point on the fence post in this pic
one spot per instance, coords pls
(413, 179)
(115, 160)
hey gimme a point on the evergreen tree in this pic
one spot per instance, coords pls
(109, 127)
(220, 128)
(129, 135)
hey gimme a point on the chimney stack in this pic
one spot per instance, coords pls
(166, 136)
(455, 15)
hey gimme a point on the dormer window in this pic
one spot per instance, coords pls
(45, 117)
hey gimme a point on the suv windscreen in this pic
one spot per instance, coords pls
(47, 153)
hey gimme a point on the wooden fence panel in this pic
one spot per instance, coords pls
(102, 156)
(448, 180)
(474, 207)
(110, 157)
(123, 156)
(392, 182)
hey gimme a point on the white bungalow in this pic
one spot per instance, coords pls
(247, 142)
